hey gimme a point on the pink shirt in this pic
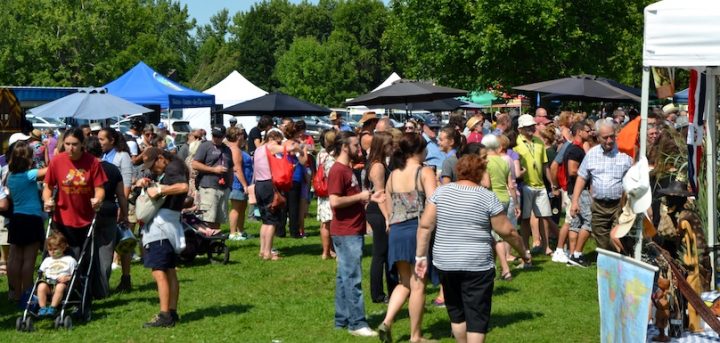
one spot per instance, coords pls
(261, 167)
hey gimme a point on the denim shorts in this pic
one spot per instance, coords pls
(159, 255)
(238, 195)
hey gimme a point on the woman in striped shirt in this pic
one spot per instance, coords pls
(464, 213)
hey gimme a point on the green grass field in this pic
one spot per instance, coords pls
(291, 300)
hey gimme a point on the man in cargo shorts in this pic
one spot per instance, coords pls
(214, 164)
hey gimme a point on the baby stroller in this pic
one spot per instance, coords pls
(77, 299)
(199, 238)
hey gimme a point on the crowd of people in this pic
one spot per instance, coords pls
(442, 203)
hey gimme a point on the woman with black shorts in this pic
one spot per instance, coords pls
(25, 232)
(264, 192)
(464, 214)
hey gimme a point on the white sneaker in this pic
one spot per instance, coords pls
(363, 332)
(114, 266)
(559, 257)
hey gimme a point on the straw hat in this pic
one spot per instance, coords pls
(368, 116)
(472, 122)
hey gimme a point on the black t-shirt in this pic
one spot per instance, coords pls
(573, 153)
(252, 136)
(175, 172)
(109, 206)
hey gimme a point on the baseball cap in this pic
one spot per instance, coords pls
(151, 155)
(233, 120)
(636, 184)
(526, 120)
(218, 131)
(19, 136)
(433, 121)
(162, 126)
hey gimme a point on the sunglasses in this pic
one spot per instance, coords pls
(409, 128)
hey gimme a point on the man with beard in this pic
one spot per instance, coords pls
(347, 229)
(604, 166)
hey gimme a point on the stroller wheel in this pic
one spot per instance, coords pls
(19, 324)
(57, 323)
(227, 254)
(67, 323)
(218, 252)
(29, 324)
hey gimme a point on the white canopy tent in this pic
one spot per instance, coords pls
(392, 78)
(686, 34)
(232, 90)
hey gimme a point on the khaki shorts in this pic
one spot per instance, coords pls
(3, 232)
(535, 200)
(214, 204)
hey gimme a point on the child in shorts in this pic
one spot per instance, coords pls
(57, 270)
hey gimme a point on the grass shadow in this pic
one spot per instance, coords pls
(215, 311)
(506, 319)
(302, 249)
(501, 288)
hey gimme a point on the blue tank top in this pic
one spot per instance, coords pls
(247, 168)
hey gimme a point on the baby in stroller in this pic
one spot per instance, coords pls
(56, 271)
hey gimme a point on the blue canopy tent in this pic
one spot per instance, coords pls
(143, 85)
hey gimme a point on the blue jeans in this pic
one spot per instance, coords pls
(349, 302)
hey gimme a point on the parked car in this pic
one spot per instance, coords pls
(39, 123)
(316, 125)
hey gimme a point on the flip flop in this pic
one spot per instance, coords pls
(506, 276)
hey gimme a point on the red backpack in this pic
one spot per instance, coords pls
(281, 169)
(320, 182)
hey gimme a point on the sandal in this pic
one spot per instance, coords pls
(506, 276)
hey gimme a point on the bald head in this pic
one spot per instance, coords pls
(606, 134)
(383, 125)
(540, 112)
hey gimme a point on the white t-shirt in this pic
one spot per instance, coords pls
(57, 267)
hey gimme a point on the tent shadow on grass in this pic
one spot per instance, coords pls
(215, 311)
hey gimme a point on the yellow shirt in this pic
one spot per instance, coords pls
(533, 158)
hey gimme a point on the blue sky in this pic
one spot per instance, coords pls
(202, 10)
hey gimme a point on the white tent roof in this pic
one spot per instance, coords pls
(392, 78)
(682, 33)
(234, 89)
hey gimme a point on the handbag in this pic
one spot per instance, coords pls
(146, 207)
(278, 202)
(319, 182)
(281, 170)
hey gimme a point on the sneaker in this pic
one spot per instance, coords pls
(363, 332)
(234, 237)
(384, 333)
(559, 257)
(577, 261)
(174, 315)
(137, 258)
(244, 236)
(42, 312)
(115, 266)
(162, 320)
(50, 311)
(438, 303)
(125, 284)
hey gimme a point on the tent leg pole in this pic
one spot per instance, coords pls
(710, 153)
(643, 143)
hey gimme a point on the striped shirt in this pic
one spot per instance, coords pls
(605, 172)
(463, 241)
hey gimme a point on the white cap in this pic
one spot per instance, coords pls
(526, 120)
(636, 184)
(19, 136)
